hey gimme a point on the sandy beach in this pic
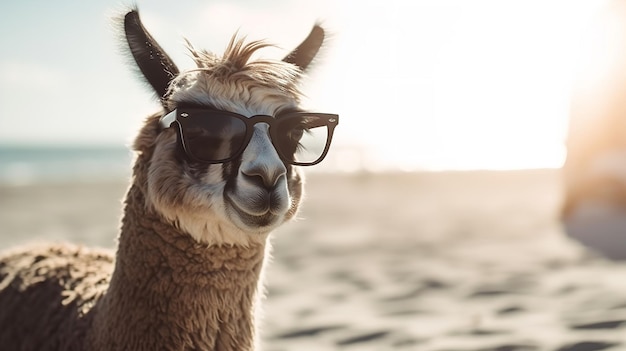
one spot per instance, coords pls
(446, 261)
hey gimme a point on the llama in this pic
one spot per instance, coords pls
(215, 172)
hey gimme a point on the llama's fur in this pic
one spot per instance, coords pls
(47, 294)
(190, 254)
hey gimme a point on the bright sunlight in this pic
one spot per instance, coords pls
(419, 84)
(456, 84)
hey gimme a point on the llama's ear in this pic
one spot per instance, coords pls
(155, 65)
(306, 51)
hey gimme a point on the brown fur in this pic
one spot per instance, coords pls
(166, 288)
(47, 294)
(167, 292)
(173, 293)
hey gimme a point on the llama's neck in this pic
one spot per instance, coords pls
(170, 292)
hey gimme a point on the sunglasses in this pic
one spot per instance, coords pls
(215, 136)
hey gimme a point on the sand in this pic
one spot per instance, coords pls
(452, 261)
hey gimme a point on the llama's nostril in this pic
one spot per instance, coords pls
(256, 180)
(262, 177)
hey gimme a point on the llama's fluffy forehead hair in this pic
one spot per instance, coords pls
(235, 73)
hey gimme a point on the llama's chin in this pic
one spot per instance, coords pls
(257, 224)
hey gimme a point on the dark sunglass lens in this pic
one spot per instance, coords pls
(303, 138)
(212, 136)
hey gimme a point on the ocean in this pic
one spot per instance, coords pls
(21, 165)
(29, 164)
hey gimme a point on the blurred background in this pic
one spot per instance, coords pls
(420, 85)
(481, 143)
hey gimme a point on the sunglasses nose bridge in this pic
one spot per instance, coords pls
(254, 120)
(260, 120)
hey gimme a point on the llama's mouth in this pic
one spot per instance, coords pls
(257, 212)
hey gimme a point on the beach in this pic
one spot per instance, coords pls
(434, 261)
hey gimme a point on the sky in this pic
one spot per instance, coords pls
(418, 84)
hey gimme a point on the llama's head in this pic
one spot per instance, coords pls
(219, 160)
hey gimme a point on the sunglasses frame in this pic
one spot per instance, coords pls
(178, 114)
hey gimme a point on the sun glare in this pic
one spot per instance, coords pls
(419, 84)
(601, 57)
(457, 84)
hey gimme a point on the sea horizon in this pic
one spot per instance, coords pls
(24, 164)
